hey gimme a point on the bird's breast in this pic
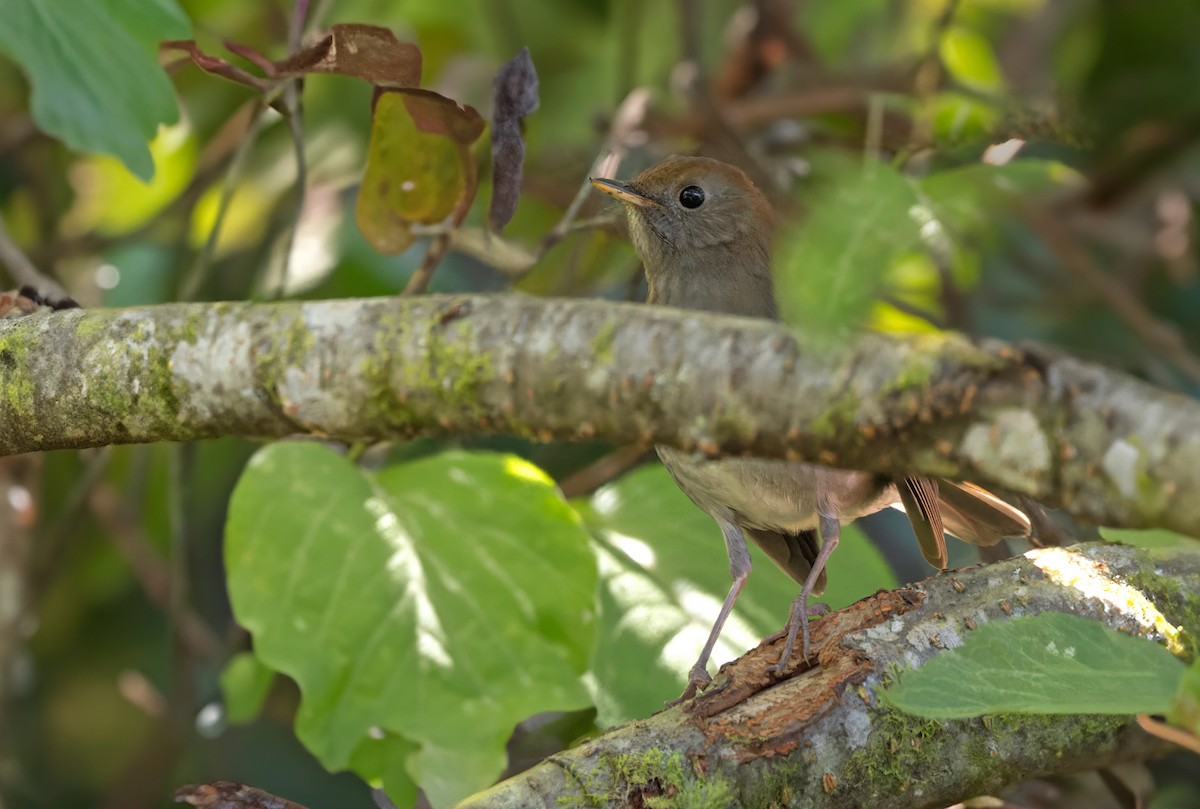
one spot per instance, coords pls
(775, 495)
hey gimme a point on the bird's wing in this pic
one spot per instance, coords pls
(794, 553)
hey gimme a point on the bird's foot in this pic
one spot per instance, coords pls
(698, 678)
(797, 625)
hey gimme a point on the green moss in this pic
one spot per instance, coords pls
(451, 373)
(897, 749)
(1178, 605)
(839, 415)
(653, 779)
(17, 388)
(916, 372)
(602, 343)
(291, 349)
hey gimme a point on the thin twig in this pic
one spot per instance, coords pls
(1160, 336)
(150, 570)
(419, 282)
(293, 104)
(602, 470)
(22, 270)
(195, 278)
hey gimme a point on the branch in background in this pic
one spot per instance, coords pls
(1162, 337)
(1104, 446)
(23, 271)
(823, 731)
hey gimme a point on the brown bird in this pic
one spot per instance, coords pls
(703, 232)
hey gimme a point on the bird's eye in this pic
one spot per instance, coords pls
(691, 197)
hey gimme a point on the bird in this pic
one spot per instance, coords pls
(703, 232)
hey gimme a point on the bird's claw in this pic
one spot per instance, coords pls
(698, 678)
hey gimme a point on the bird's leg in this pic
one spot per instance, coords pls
(739, 569)
(830, 531)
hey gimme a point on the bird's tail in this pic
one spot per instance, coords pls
(937, 507)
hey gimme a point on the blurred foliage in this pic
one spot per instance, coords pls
(1016, 168)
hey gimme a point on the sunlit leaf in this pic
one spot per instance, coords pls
(110, 199)
(423, 610)
(95, 81)
(515, 96)
(419, 166)
(664, 574)
(969, 58)
(1054, 663)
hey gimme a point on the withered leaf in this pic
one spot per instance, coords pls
(419, 166)
(230, 795)
(369, 52)
(515, 96)
(215, 65)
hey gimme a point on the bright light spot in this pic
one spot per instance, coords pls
(1092, 579)
(407, 185)
(406, 568)
(999, 154)
(524, 470)
(607, 500)
(210, 721)
(634, 548)
(1120, 464)
(19, 498)
(107, 276)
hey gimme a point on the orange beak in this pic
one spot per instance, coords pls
(624, 193)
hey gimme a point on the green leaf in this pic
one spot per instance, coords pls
(828, 274)
(431, 605)
(969, 58)
(96, 83)
(1153, 538)
(664, 574)
(967, 200)
(1055, 663)
(419, 166)
(1186, 710)
(245, 683)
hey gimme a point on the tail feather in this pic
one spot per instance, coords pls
(978, 516)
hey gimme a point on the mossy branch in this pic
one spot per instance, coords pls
(823, 738)
(1106, 447)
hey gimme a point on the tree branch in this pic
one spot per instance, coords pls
(821, 736)
(1104, 446)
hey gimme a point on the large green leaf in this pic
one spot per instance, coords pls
(1055, 663)
(96, 83)
(664, 574)
(828, 274)
(423, 610)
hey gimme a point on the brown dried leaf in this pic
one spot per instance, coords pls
(515, 96)
(230, 795)
(215, 65)
(369, 52)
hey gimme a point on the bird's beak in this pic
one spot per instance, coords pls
(624, 193)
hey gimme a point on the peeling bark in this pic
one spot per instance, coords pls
(1104, 446)
(819, 736)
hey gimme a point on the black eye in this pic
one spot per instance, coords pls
(691, 197)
